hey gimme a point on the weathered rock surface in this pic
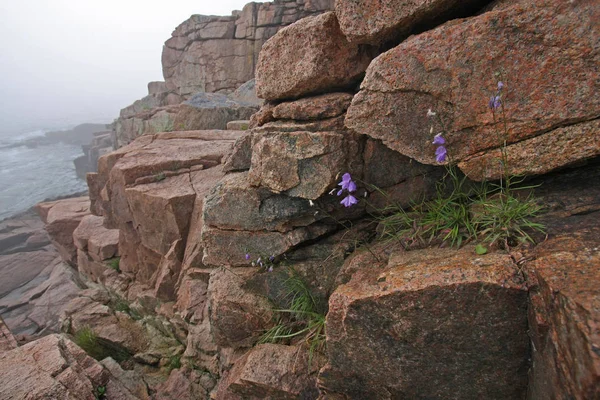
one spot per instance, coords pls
(182, 384)
(314, 108)
(335, 124)
(33, 308)
(62, 217)
(132, 380)
(201, 112)
(55, 368)
(152, 191)
(92, 309)
(218, 54)
(101, 144)
(161, 211)
(156, 158)
(7, 340)
(241, 125)
(92, 237)
(559, 148)
(235, 205)
(22, 233)
(363, 21)
(271, 371)
(240, 158)
(301, 164)
(433, 324)
(225, 247)
(247, 94)
(434, 70)
(565, 313)
(327, 61)
(19, 268)
(238, 317)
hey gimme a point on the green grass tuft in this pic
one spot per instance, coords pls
(174, 362)
(99, 348)
(492, 214)
(114, 263)
(119, 304)
(502, 217)
(304, 317)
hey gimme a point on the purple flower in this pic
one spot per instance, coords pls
(346, 181)
(247, 256)
(495, 102)
(352, 187)
(339, 193)
(500, 85)
(440, 154)
(438, 140)
(270, 269)
(272, 258)
(349, 201)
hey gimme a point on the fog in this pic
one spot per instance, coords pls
(64, 62)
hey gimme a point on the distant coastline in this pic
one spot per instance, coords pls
(38, 166)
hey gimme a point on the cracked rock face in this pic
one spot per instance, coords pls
(326, 62)
(218, 54)
(7, 340)
(62, 217)
(201, 112)
(55, 368)
(271, 371)
(365, 21)
(547, 61)
(152, 191)
(564, 313)
(433, 324)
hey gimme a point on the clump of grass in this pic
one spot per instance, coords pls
(304, 317)
(174, 362)
(502, 216)
(119, 304)
(492, 215)
(160, 177)
(99, 348)
(114, 263)
(445, 218)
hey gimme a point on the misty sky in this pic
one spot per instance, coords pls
(70, 61)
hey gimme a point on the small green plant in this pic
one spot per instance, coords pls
(305, 316)
(119, 304)
(495, 214)
(174, 362)
(160, 177)
(504, 216)
(100, 393)
(445, 218)
(99, 348)
(114, 263)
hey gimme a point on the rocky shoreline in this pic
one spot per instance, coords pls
(213, 256)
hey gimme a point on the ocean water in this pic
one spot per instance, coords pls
(29, 175)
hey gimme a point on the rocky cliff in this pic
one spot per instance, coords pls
(224, 264)
(209, 54)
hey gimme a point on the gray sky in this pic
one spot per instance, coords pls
(71, 61)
